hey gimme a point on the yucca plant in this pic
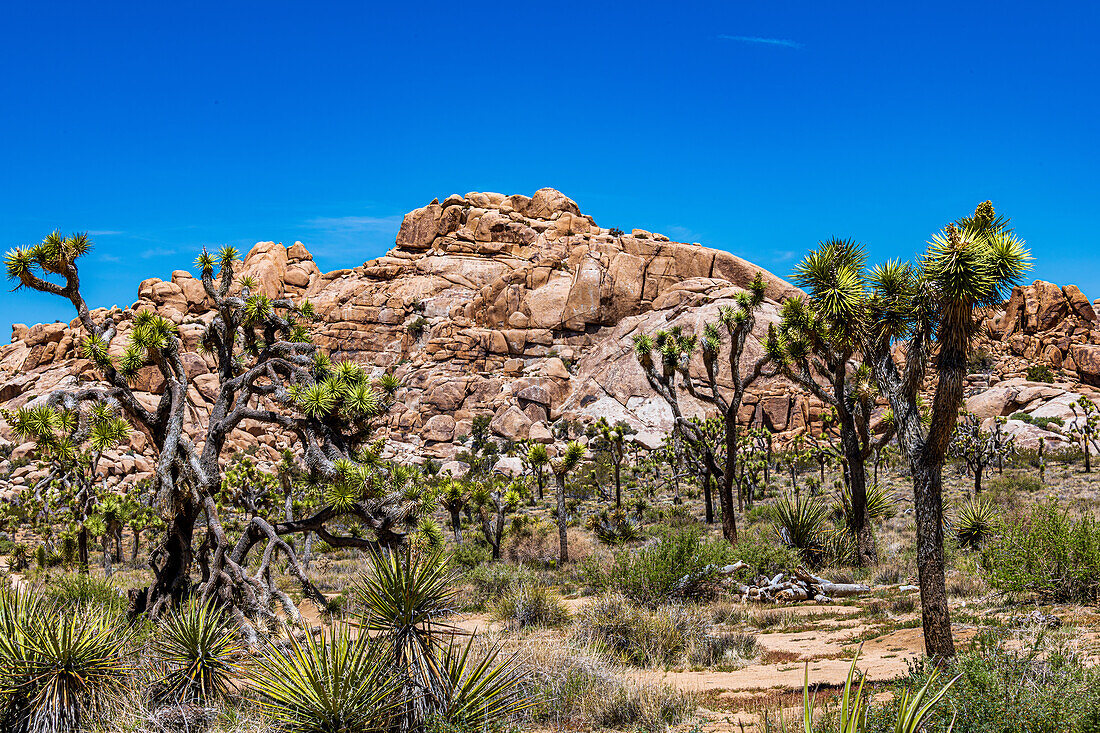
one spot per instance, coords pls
(975, 520)
(335, 685)
(57, 670)
(473, 694)
(199, 646)
(880, 505)
(912, 707)
(405, 596)
(799, 523)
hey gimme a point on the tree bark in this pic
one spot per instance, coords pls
(563, 537)
(618, 486)
(173, 580)
(708, 499)
(935, 613)
(856, 473)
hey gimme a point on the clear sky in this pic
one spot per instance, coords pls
(754, 127)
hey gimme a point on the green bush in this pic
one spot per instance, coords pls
(1045, 686)
(469, 555)
(679, 565)
(763, 554)
(1046, 553)
(492, 581)
(76, 589)
(1039, 373)
(1044, 423)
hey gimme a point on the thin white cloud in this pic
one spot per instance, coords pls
(157, 252)
(765, 41)
(105, 232)
(353, 224)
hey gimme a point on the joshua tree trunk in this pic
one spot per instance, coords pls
(855, 472)
(175, 556)
(978, 480)
(456, 524)
(935, 613)
(725, 494)
(618, 485)
(708, 500)
(82, 549)
(563, 537)
(137, 544)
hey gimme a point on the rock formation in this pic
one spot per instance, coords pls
(522, 308)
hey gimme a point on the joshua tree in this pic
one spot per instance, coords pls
(711, 434)
(454, 499)
(70, 439)
(670, 373)
(978, 448)
(268, 372)
(820, 340)
(536, 459)
(926, 313)
(1086, 427)
(612, 440)
(494, 503)
(562, 466)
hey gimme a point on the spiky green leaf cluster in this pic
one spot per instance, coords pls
(53, 255)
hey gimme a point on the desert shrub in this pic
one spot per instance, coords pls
(1053, 423)
(531, 604)
(575, 689)
(614, 527)
(87, 591)
(491, 581)
(764, 556)
(1046, 553)
(1010, 484)
(724, 650)
(679, 565)
(1045, 686)
(638, 635)
(469, 555)
(1040, 373)
(533, 541)
(974, 522)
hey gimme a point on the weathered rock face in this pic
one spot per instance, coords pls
(518, 307)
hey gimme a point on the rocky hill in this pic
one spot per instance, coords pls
(524, 308)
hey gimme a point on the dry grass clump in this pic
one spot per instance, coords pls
(639, 636)
(579, 688)
(530, 604)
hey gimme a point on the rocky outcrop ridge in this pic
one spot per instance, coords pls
(523, 308)
(519, 307)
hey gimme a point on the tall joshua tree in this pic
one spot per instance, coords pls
(268, 372)
(562, 466)
(820, 342)
(612, 440)
(669, 374)
(924, 313)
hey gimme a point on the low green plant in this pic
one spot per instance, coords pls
(59, 667)
(974, 522)
(680, 565)
(799, 522)
(1040, 373)
(1046, 553)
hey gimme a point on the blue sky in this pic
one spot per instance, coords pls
(754, 127)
